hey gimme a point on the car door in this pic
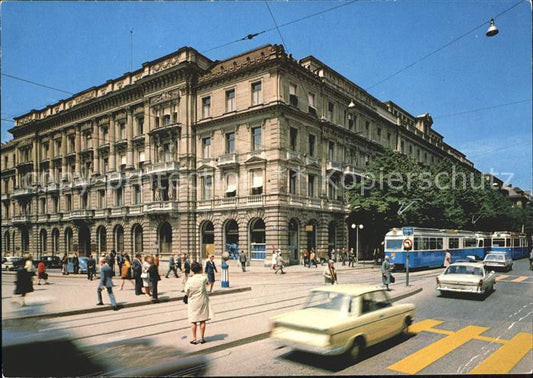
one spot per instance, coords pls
(374, 319)
(390, 321)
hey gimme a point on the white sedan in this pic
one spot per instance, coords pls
(466, 277)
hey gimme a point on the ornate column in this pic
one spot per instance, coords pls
(112, 157)
(129, 137)
(149, 121)
(77, 149)
(95, 140)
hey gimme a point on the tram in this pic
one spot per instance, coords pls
(514, 243)
(429, 246)
(484, 241)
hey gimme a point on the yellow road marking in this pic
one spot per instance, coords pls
(426, 356)
(520, 279)
(505, 358)
(503, 276)
(424, 325)
(491, 339)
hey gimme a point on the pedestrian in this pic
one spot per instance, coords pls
(185, 267)
(351, 258)
(274, 259)
(125, 272)
(386, 268)
(120, 261)
(64, 263)
(155, 259)
(41, 273)
(210, 270)
(145, 275)
(24, 282)
(75, 263)
(447, 258)
(312, 259)
(333, 255)
(330, 275)
(153, 273)
(112, 257)
(376, 256)
(198, 306)
(136, 267)
(91, 267)
(106, 282)
(306, 257)
(242, 260)
(279, 262)
(343, 256)
(172, 266)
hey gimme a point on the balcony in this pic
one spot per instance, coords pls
(255, 200)
(81, 182)
(136, 210)
(101, 213)
(310, 160)
(227, 160)
(118, 211)
(4, 197)
(121, 143)
(162, 168)
(115, 176)
(314, 202)
(21, 192)
(86, 151)
(228, 202)
(334, 166)
(103, 146)
(43, 218)
(81, 214)
(134, 173)
(297, 200)
(163, 207)
(204, 204)
(20, 219)
(293, 155)
(52, 187)
(55, 217)
(25, 164)
(335, 205)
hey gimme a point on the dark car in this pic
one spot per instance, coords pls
(50, 262)
(13, 263)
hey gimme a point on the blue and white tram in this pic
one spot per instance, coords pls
(514, 243)
(429, 246)
(484, 240)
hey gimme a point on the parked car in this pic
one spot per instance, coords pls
(465, 277)
(342, 319)
(498, 260)
(49, 261)
(82, 264)
(12, 263)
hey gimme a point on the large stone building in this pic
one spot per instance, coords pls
(192, 155)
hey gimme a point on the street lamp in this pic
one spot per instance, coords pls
(493, 30)
(357, 228)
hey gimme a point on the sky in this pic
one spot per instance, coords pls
(427, 56)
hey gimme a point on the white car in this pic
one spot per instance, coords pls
(498, 260)
(466, 277)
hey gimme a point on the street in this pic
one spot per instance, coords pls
(451, 335)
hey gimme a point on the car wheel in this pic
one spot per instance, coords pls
(355, 350)
(406, 323)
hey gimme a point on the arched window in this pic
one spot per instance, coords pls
(137, 239)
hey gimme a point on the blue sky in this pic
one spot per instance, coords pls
(74, 46)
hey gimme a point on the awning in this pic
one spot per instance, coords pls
(257, 179)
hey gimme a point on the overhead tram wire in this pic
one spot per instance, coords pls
(441, 48)
(35, 83)
(277, 28)
(480, 109)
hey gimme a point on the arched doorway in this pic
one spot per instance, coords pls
(43, 241)
(293, 239)
(207, 239)
(101, 240)
(68, 240)
(136, 239)
(257, 239)
(231, 238)
(6, 242)
(13, 241)
(165, 239)
(332, 237)
(310, 230)
(25, 240)
(118, 235)
(84, 240)
(55, 241)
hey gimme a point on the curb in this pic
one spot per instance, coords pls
(120, 306)
(405, 295)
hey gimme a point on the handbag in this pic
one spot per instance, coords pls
(185, 299)
(144, 275)
(392, 279)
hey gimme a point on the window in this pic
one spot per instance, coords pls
(256, 138)
(68, 202)
(207, 187)
(230, 143)
(122, 130)
(142, 157)
(367, 127)
(106, 165)
(312, 139)
(72, 144)
(206, 147)
(331, 108)
(293, 98)
(230, 100)
(167, 152)
(312, 106)
(379, 133)
(101, 199)
(453, 243)
(332, 186)
(43, 206)
(257, 182)
(118, 196)
(257, 96)
(137, 194)
(140, 125)
(331, 151)
(58, 146)
(293, 138)
(350, 121)
(206, 106)
(311, 185)
(166, 120)
(292, 181)
(231, 185)
(84, 200)
(55, 203)
(105, 131)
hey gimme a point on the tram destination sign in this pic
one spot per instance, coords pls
(408, 231)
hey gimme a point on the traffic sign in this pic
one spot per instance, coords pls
(408, 231)
(407, 244)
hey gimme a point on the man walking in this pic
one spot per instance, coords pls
(351, 258)
(172, 267)
(91, 268)
(76, 263)
(136, 266)
(242, 260)
(343, 256)
(106, 282)
(112, 257)
(279, 262)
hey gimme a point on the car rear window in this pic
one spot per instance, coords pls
(464, 269)
(494, 258)
(325, 300)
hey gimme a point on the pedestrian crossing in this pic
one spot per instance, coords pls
(513, 278)
(501, 361)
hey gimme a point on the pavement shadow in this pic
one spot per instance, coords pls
(217, 337)
(335, 364)
(465, 296)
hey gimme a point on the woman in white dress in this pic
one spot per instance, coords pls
(145, 275)
(198, 308)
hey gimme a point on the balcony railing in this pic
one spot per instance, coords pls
(20, 219)
(136, 209)
(228, 159)
(291, 155)
(101, 213)
(312, 160)
(225, 202)
(256, 200)
(52, 187)
(118, 211)
(20, 192)
(160, 207)
(55, 217)
(43, 218)
(334, 166)
(4, 197)
(162, 168)
(81, 214)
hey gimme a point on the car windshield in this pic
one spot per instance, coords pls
(326, 300)
(494, 258)
(464, 269)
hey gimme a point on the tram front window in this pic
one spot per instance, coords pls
(394, 245)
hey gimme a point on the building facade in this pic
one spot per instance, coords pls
(192, 155)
